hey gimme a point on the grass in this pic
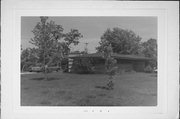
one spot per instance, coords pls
(64, 89)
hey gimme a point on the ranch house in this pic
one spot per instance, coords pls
(125, 63)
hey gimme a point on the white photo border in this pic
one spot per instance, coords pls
(168, 84)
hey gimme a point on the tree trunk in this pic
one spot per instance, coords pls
(45, 73)
(23, 68)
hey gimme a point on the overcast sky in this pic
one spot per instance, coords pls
(92, 28)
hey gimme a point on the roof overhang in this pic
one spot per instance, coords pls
(117, 56)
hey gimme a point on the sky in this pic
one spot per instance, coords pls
(92, 28)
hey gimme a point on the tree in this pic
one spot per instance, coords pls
(71, 37)
(122, 41)
(150, 50)
(24, 58)
(29, 57)
(51, 42)
(110, 64)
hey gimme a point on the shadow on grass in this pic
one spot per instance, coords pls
(50, 79)
(154, 75)
(45, 92)
(45, 103)
(102, 95)
(102, 87)
(37, 79)
(90, 96)
(26, 88)
(60, 92)
(42, 78)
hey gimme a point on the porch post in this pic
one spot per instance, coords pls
(70, 62)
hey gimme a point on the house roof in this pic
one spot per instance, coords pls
(115, 55)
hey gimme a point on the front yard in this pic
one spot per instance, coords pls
(65, 89)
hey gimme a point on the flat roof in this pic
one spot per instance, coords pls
(115, 55)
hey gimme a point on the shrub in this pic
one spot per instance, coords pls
(82, 66)
(148, 69)
(64, 65)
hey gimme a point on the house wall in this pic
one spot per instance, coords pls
(99, 68)
(131, 65)
(124, 65)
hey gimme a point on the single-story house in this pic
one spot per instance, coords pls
(125, 63)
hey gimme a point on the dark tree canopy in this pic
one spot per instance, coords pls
(150, 50)
(127, 42)
(29, 57)
(71, 37)
(122, 41)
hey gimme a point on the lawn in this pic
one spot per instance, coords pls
(65, 89)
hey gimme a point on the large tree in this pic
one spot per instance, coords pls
(150, 50)
(122, 41)
(46, 36)
(70, 38)
(51, 42)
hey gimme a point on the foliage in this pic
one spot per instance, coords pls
(127, 42)
(148, 69)
(150, 50)
(83, 66)
(122, 41)
(46, 36)
(64, 64)
(51, 42)
(29, 58)
(72, 37)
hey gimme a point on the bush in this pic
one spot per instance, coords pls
(64, 65)
(82, 66)
(148, 69)
(26, 66)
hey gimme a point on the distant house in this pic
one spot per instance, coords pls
(125, 63)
